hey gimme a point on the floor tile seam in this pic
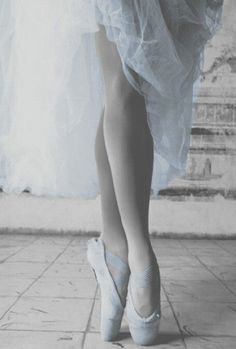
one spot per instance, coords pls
(172, 308)
(178, 279)
(58, 263)
(42, 262)
(190, 280)
(224, 249)
(51, 297)
(34, 281)
(89, 320)
(39, 331)
(190, 249)
(213, 239)
(175, 316)
(14, 277)
(185, 335)
(37, 239)
(98, 332)
(221, 281)
(54, 278)
(29, 262)
(180, 266)
(59, 278)
(210, 271)
(203, 302)
(19, 250)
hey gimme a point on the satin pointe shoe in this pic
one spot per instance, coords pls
(144, 330)
(112, 307)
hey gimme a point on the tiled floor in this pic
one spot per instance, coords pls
(49, 297)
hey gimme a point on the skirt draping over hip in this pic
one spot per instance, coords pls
(52, 88)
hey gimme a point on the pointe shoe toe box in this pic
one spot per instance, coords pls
(144, 331)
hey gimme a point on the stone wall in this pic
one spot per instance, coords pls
(211, 167)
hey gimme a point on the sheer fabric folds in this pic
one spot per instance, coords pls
(52, 89)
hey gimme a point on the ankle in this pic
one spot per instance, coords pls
(139, 259)
(118, 248)
(145, 285)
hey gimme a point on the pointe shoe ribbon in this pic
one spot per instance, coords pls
(144, 330)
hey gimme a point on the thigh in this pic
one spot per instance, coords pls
(114, 77)
(107, 53)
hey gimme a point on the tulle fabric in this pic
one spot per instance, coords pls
(52, 88)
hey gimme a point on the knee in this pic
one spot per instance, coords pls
(121, 93)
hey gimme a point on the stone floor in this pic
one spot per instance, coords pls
(49, 297)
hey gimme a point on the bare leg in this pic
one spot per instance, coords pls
(129, 147)
(113, 233)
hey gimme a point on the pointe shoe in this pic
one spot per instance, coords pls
(144, 330)
(112, 307)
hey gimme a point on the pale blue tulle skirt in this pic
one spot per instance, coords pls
(52, 89)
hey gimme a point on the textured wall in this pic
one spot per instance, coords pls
(211, 167)
(219, 73)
